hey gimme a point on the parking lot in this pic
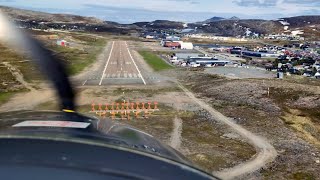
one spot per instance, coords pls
(241, 72)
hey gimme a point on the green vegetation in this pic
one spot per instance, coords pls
(208, 139)
(77, 59)
(303, 176)
(5, 96)
(154, 61)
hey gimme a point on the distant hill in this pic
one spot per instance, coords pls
(161, 24)
(238, 27)
(234, 18)
(213, 19)
(302, 21)
(27, 15)
(307, 26)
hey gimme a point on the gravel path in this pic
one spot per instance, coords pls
(265, 151)
(175, 140)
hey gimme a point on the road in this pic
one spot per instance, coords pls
(265, 151)
(117, 66)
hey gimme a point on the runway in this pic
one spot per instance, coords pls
(119, 68)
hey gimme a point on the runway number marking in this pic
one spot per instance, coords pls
(105, 68)
(144, 82)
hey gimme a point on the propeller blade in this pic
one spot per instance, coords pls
(50, 65)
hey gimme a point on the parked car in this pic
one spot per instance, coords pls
(317, 75)
(193, 64)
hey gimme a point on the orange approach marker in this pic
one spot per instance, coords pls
(155, 105)
(137, 113)
(113, 114)
(93, 105)
(125, 109)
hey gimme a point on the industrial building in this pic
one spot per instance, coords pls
(259, 54)
(172, 38)
(186, 45)
(188, 55)
(208, 61)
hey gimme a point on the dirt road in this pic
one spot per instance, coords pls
(175, 140)
(17, 74)
(265, 151)
(27, 100)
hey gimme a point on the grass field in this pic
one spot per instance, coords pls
(154, 61)
(5, 96)
(78, 59)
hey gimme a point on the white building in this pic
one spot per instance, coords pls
(186, 45)
(150, 37)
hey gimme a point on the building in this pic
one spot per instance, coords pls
(172, 44)
(208, 61)
(150, 37)
(260, 54)
(186, 45)
(172, 38)
(188, 55)
(62, 43)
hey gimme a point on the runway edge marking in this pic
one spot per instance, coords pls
(144, 82)
(105, 68)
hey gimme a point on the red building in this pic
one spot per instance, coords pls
(172, 44)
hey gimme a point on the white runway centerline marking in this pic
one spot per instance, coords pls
(144, 82)
(85, 82)
(105, 68)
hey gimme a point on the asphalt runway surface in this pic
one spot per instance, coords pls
(118, 67)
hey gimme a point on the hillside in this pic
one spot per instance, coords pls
(27, 15)
(161, 24)
(40, 20)
(238, 27)
(307, 26)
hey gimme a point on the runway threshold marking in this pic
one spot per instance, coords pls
(144, 82)
(105, 68)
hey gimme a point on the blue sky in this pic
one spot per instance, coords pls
(128, 11)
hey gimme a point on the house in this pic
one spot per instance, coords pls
(62, 43)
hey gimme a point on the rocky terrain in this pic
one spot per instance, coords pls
(288, 117)
(27, 15)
